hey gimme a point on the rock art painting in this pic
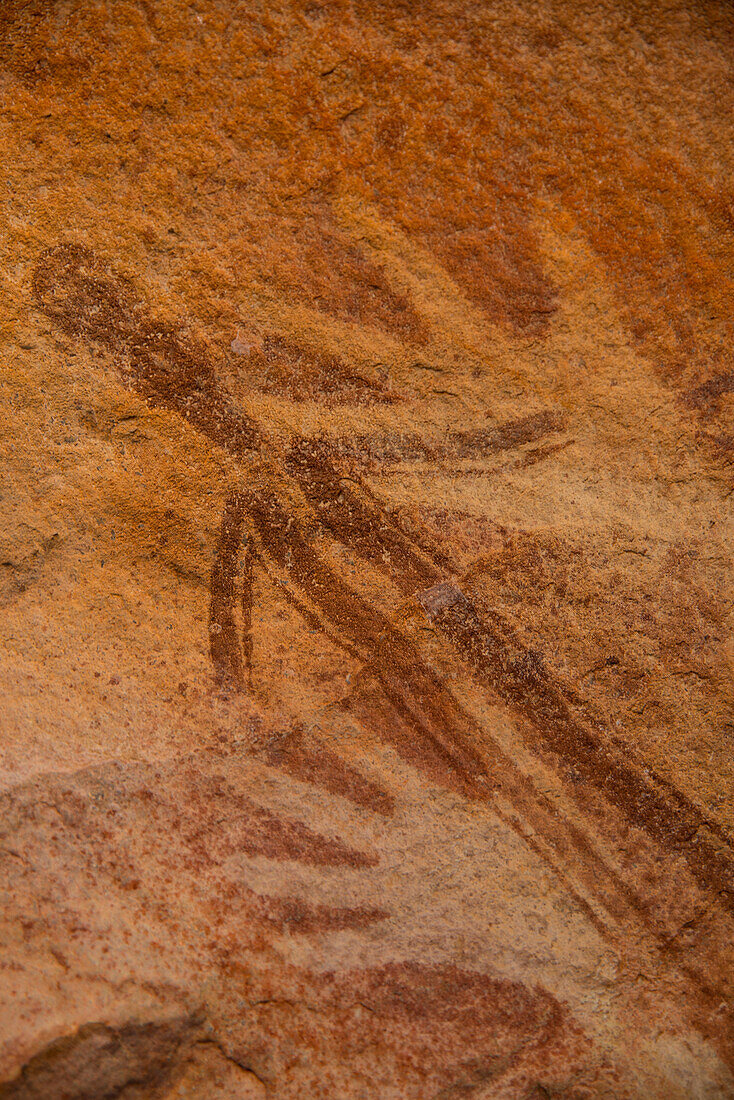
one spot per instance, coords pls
(365, 558)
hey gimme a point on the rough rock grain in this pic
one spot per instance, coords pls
(366, 391)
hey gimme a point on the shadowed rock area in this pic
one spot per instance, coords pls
(366, 663)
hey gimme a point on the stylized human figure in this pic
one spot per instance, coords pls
(428, 726)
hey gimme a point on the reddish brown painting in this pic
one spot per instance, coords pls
(366, 551)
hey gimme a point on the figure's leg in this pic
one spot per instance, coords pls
(232, 658)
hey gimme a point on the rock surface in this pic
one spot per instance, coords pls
(365, 549)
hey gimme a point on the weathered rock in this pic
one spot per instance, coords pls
(365, 550)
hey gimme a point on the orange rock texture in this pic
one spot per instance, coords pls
(366, 392)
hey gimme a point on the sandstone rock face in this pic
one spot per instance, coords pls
(365, 549)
